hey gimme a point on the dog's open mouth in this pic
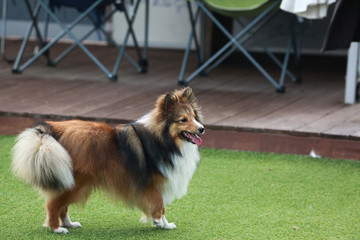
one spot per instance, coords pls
(191, 137)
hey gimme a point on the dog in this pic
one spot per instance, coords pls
(147, 164)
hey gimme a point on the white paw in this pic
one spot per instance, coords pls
(169, 226)
(159, 223)
(61, 230)
(73, 225)
(66, 222)
(163, 223)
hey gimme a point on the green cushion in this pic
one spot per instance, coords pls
(238, 8)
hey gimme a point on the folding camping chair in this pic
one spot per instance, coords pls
(261, 12)
(94, 10)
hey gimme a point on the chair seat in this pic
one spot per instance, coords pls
(238, 8)
(80, 5)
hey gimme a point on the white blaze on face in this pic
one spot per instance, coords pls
(198, 124)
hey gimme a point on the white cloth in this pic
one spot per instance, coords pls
(311, 9)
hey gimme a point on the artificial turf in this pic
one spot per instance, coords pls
(233, 195)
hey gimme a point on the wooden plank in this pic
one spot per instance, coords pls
(68, 97)
(30, 98)
(287, 111)
(348, 127)
(13, 88)
(296, 114)
(104, 96)
(124, 106)
(256, 107)
(339, 122)
(282, 143)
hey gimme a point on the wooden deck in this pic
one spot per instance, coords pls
(242, 110)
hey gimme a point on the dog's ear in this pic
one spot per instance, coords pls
(164, 104)
(188, 95)
(169, 102)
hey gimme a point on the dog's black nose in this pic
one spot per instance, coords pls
(201, 130)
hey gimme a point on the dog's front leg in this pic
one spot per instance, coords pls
(155, 208)
(161, 222)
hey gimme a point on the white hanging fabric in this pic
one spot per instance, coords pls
(310, 9)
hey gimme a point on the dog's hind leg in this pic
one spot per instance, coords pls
(57, 207)
(57, 213)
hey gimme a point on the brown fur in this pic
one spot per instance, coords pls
(92, 147)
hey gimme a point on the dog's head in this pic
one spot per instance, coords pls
(180, 112)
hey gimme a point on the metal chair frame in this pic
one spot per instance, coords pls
(236, 42)
(3, 32)
(141, 66)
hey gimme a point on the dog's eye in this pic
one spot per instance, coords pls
(183, 120)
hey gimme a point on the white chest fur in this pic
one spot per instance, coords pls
(178, 177)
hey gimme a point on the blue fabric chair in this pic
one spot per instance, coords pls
(260, 12)
(95, 11)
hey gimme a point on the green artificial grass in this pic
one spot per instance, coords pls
(233, 195)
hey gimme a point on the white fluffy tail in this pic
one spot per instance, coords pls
(41, 161)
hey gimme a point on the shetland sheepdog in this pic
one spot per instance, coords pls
(147, 163)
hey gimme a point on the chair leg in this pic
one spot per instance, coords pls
(242, 40)
(241, 48)
(193, 23)
(132, 62)
(3, 28)
(233, 40)
(3, 33)
(286, 61)
(297, 45)
(142, 67)
(46, 29)
(71, 48)
(181, 81)
(131, 30)
(266, 50)
(66, 30)
(202, 38)
(85, 36)
(146, 32)
(39, 37)
(16, 68)
(193, 20)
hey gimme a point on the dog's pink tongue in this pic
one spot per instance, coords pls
(196, 139)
